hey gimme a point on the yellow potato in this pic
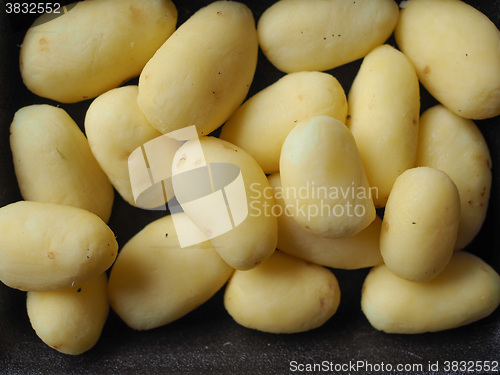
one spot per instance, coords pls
(154, 281)
(420, 224)
(325, 185)
(254, 232)
(94, 47)
(360, 251)
(203, 72)
(46, 246)
(384, 105)
(455, 51)
(54, 163)
(262, 123)
(115, 127)
(298, 35)
(457, 147)
(70, 320)
(467, 290)
(282, 295)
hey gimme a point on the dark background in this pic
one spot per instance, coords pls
(208, 341)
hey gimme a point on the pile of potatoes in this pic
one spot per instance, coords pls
(319, 165)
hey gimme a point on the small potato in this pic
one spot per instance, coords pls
(70, 320)
(54, 163)
(298, 35)
(467, 290)
(360, 251)
(154, 281)
(420, 224)
(47, 246)
(203, 72)
(262, 123)
(115, 127)
(325, 185)
(282, 295)
(253, 236)
(384, 105)
(94, 47)
(457, 147)
(455, 51)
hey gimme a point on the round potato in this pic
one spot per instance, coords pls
(467, 290)
(70, 320)
(94, 47)
(54, 163)
(262, 123)
(282, 295)
(420, 224)
(47, 246)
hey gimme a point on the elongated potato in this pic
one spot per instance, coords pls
(47, 246)
(54, 163)
(326, 189)
(250, 235)
(467, 290)
(262, 123)
(298, 35)
(360, 251)
(115, 127)
(420, 224)
(94, 47)
(282, 295)
(455, 51)
(192, 81)
(154, 281)
(70, 320)
(457, 147)
(384, 107)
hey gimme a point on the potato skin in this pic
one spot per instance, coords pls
(47, 246)
(115, 127)
(441, 37)
(189, 81)
(54, 163)
(420, 224)
(154, 281)
(467, 290)
(282, 295)
(299, 35)
(261, 124)
(384, 105)
(456, 146)
(359, 251)
(70, 320)
(96, 46)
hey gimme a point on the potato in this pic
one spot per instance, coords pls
(262, 123)
(384, 108)
(420, 224)
(282, 295)
(115, 127)
(455, 51)
(70, 320)
(154, 281)
(467, 290)
(360, 251)
(94, 47)
(54, 163)
(244, 236)
(297, 35)
(203, 72)
(325, 185)
(457, 147)
(47, 246)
